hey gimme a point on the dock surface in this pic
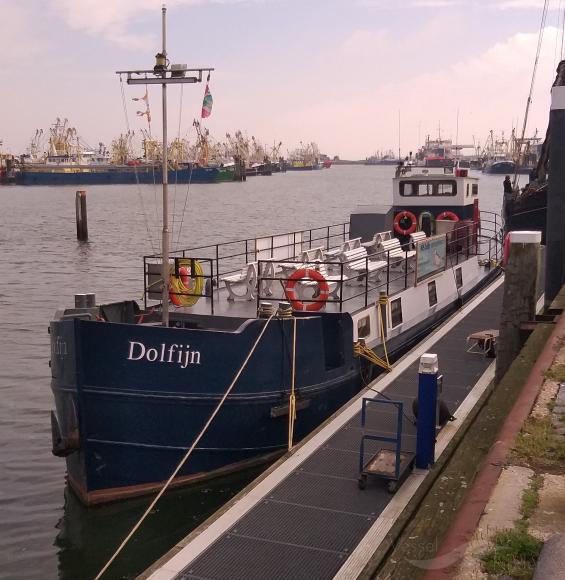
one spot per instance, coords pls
(308, 519)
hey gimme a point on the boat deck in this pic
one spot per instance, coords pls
(355, 295)
(308, 518)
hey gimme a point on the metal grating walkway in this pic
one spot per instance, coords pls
(309, 524)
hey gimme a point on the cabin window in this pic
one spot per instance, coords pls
(396, 312)
(432, 293)
(475, 189)
(407, 188)
(467, 190)
(458, 278)
(447, 187)
(364, 327)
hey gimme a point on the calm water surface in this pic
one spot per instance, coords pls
(44, 531)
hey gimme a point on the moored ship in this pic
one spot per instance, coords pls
(242, 348)
(131, 394)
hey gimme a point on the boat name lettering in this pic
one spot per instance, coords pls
(173, 353)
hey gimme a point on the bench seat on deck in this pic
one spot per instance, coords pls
(344, 247)
(393, 252)
(247, 279)
(333, 281)
(374, 243)
(357, 263)
(305, 257)
(417, 237)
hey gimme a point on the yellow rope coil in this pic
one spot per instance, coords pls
(186, 294)
(361, 350)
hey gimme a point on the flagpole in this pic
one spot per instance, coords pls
(165, 238)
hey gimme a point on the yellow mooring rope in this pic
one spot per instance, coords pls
(361, 350)
(292, 399)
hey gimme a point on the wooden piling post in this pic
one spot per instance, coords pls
(520, 296)
(81, 216)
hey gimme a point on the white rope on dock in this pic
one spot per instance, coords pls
(187, 454)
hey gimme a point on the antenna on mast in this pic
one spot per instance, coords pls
(163, 75)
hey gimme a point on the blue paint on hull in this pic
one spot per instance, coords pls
(136, 418)
(129, 175)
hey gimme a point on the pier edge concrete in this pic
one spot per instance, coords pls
(519, 389)
(470, 512)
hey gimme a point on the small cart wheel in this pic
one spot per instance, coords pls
(391, 486)
(362, 482)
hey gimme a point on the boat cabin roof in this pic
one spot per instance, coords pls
(435, 189)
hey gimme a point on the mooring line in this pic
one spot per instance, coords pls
(187, 454)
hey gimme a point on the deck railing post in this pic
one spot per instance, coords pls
(388, 273)
(405, 269)
(341, 287)
(212, 284)
(366, 279)
(217, 266)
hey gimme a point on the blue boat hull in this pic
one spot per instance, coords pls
(135, 418)
(144, 175)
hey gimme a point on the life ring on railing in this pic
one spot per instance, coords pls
(399, 223)
(323, 288)
(186, 288)
(448, 215)
(506, 250)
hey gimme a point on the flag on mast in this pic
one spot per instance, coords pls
(144, 98)
(207, 103)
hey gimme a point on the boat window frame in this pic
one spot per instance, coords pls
(458, 278)
(474, 189)
(432, 293)
(364, 327)
(435, 186)
(396, 312)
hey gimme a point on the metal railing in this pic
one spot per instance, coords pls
(482, 239)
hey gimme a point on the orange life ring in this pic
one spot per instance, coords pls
(323, 288)
(506, 250)
(448, 215)
(405, 215)
(184, 277)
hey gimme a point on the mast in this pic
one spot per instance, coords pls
(163, 75)
(165, 237)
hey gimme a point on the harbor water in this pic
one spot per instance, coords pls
(44, 531)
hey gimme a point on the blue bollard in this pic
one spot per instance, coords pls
(427, 410)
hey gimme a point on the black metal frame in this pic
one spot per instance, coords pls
(221, 258)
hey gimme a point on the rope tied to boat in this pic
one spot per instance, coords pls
(360, 349)
(187, 454)
(292, 398)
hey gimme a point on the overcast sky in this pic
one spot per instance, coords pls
(337, 72)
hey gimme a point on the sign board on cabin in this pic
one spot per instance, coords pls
(431, 257)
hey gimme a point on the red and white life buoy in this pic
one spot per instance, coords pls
(448, 215)
(506, 250)
(323, 288)
(400, 225)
